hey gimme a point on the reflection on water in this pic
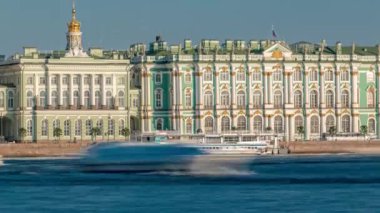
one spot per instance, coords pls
(291, 183)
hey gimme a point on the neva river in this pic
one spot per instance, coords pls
(285, 184)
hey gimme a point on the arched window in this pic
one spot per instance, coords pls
(98, 99)
(257, 99)
(241, 99)
(277, 99)
(329, 75)
(56, 124)
(159, 124)
(66, 128)
(314, 75)
(78, 128)
(371, 126)
(65, 98)
(346, 125)
(109, 99)
(87, 99)
(257, 124)
(225, 124)
(189, 126)
(188, 99)
(225, 99)
(345, 99)
(54, 98)
(111, 127)
(44, 127)
(10, 99)
(297, 75)
(277, 75)
(209, 124)
(314, 124)
(224, 76)
(207, 76)
(330, 122)
(240, 76)
(241, 123)
(298, 121)
(370, 98)
(278, 125)
(208, 99)
(99, 125)
(29, 128)
(329, 99)
(313, 99)
(88, 127)
(256, 75)
(297, 99)
(121, 99)
(2, 96)
(158, 95)
(76, 102)
(43, 99)
(345, 75)
(121, 126)
(29, 99)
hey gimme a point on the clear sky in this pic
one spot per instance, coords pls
(115, 24)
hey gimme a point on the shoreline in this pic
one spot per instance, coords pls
(64, 150)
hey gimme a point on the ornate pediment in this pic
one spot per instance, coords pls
(277, 51)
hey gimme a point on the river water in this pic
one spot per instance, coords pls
(287, 184)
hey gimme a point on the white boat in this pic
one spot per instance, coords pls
(245, 147)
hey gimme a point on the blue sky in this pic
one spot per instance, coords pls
(115, 24)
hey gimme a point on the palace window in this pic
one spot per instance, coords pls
(346, 123)
(298, 122)
(78, 128)
(313, 99)
(370, 98)
(76, 102)
(43, 99)
(224, 76)
(29, 99)
(121, 126)
(257, 99)
(44, 127)
(256, 76)
(277, 99)
(99, 125)
(208, 99)
(2, 98)
(241, 99)
(277, 75)
(158, 95)
(121, 81)
(56, 124)
(209, 124)
(314, 75)
(225, 99)
(345, 75)
(98, 99)
(257, 124)
(207, 76)
(188, 99)
(240, 76)
(189, 126)
(158, 78)
(65, 98)
(42, 80)
(111, 127)
(298, 99)
(329, 99)
(330, 122)
(121, 99)
(10, 99)
(278, 126)
(314, 124)
(329, 75)
(345, 99)
(225, 124)
(241, 123)
(54, 98)
(108, 81)
(54, 80)
(371, 126)
(65, 80)
(66, 128)
(97, 80)
(29, 128)
(135, 102)
(87, 80)
(87, 99)
(297, 76)
(88, 127)
(159, 124)
(76, 80)
(109, 101)
(29, 81)
(188, 78)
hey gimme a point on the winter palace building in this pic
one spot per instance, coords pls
(230, 88)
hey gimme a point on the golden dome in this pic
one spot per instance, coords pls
(74, 25)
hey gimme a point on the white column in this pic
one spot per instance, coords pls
(71, 91)
(307, 131)
(355, 121)
(286, 88)
(322, 89)
(48, 90)
(81, 89)
(291, 128)
(103, 89)
(233, 95)
(291, 95)
(270, 85)
(355, 88)
(337, 90)
(307, 90)
(59, 90)
(200, 77)
(286, 128)
(217, 77)
(148, 96)
(92, 90)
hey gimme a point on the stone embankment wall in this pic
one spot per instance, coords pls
(322, 147)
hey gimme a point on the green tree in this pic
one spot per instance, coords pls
(57, 133)
(125, 132)
(22, 133)
(332, 131)
(95, 131)
(301, 131)
(364, 131)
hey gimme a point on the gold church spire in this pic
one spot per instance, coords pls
(74, 25)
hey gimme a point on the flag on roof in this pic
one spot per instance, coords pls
(274, 34)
